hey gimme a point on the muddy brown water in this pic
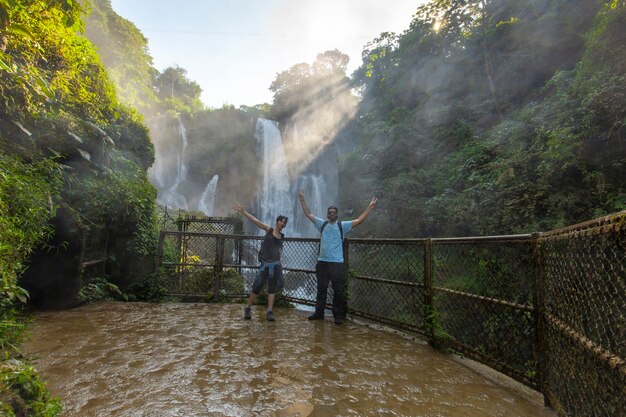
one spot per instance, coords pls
(140, 360)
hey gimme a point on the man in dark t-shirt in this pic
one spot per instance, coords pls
(270, 270)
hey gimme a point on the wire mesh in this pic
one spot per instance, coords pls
(386, 281)
(584, 302)
(95, 251)
(217, 225)
(548, 310)
(482, 295)
(299, 271)
(166, 218)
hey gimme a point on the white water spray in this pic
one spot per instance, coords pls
(275, 197)
(278, 194)
(169, 162)
(207, 200)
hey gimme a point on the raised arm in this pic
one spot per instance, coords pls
(366, 213)
(238, 207)
(305, 208)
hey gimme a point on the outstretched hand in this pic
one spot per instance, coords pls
(301, 195)
(238, 207)
(373, 202)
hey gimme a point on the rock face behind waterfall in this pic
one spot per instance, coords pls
(319, 181)
(216, 144)
(206, 162)
(169, 171)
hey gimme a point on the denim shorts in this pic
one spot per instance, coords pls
(274, 283)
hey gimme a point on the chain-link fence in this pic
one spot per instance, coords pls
(178, 220)
(166, 217)
(94, 251)
(583, 326)
(482, 298)
(546, 309)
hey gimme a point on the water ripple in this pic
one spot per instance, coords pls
(168, 360)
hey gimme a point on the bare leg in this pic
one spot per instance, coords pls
(252, 299)
(270, 301)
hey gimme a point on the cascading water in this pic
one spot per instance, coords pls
(169, 161)
(315, 191)
(278, 194)
(207, 200)
(275, 197)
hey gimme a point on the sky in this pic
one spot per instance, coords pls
(234, 48)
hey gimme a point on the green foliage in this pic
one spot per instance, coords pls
(45, 63)
(152, 287)
(438, 337)
(12, 326)
(64, 141)
(122, 199)
(123, 49)
(99, 289)
(231, 282)
(177, 92)
(304, 87)
(26, 192)
(132, 137)
(22, 392)
(492, 120)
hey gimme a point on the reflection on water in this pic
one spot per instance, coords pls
(134, 359)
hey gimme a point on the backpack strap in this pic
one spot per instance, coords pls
(338, 225)
(319, 248)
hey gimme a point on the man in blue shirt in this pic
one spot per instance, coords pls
(330, 262)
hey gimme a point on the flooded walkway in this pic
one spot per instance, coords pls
(140, 360)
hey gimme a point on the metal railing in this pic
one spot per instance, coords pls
(547, 309)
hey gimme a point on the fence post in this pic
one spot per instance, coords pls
(219, 265)
(81, 259)
(159, 257)
(346, 282)
(239, 255)
(538, 303)
(429, 309)
(179, 253)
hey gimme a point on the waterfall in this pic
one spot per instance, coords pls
(158, 170)
(169, 169)
(275, 197)
(277, 189)
(316, 194)
(207, 200)
(278, 193)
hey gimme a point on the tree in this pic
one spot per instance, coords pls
(123, 50)
(305, 86)
(174, 87)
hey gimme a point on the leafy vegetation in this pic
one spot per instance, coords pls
(483, 117)
(499, 118)
(25, 206)
(123, 50)
(73, 165)
(22, 393)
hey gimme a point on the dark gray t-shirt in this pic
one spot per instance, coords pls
(271, 247)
